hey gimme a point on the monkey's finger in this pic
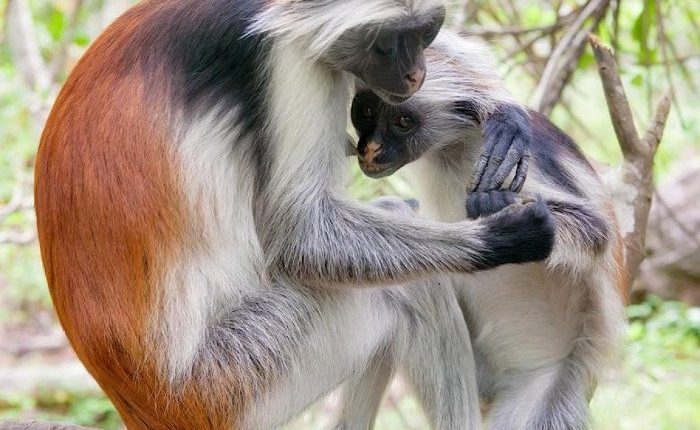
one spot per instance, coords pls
(479, 170)
(481, 204)
(520, 174)
(508, 165)
(483, 161)
(495, 160)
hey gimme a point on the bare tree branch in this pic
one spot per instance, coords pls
(510, 30)
(58, 64)
(655, 132)
(564, 58)
(620, 111)
(23, 45)
(634, 187)
(17, 238)
(19, 31)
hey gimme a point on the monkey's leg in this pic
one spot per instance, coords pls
(549, 398)
(309, 342)
(438, 359)
(431, 345)
(362, 393)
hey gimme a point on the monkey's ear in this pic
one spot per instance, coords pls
(466, 109)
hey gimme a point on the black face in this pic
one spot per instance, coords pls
(387, 134)
(389, 60)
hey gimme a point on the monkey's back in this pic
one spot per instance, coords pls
(113, 218)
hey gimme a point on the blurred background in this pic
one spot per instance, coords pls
(657, 44)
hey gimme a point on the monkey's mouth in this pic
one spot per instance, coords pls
(370, 155)
(376, 171)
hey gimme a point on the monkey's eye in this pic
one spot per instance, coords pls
(403, 122)
(367, 112)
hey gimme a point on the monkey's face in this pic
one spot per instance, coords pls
(389, 134)
(388, 58)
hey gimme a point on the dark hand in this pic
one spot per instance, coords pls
(520, 233)
(507, 142)
(481, 204)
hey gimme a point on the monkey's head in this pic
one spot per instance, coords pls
(391, 136)
(448, 110)
(379, 41)
(388, 56)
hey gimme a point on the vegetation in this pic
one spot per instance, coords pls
(658, 47)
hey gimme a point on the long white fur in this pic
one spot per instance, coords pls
(225, 261)
(319, 24)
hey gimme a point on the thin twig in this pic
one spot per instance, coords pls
(19, 30)
(564, 57)
(58, 64)
(17, 239)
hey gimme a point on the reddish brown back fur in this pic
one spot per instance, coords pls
(618, 244)
(111, 218)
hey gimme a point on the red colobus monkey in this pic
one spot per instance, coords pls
(199, 251)
(541, 332)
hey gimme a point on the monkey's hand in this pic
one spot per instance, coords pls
(485, 203)
(518, 233)
(507, 142)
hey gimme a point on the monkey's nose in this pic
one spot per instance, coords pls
(415, 79)
(370, 151)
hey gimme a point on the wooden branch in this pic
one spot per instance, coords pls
(18, 239)
(633, 188)
(655, 132)
(60, 58)
(23, 45)
(512, 30)
(18, 203)
(564, 57)
(620, 111)
(26, 55)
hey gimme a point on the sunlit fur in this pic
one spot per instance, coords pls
(198, 247)
(543, 333)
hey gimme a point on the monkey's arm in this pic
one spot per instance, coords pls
(507, 143)
(582, 232)
(340, 242)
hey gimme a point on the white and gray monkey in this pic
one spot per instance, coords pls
(541, 332)
(200, 253)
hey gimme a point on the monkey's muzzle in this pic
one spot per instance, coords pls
(375, 161)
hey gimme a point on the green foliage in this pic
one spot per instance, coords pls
(62, 406)
(656, 388)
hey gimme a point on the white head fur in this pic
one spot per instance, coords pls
(327, 20)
